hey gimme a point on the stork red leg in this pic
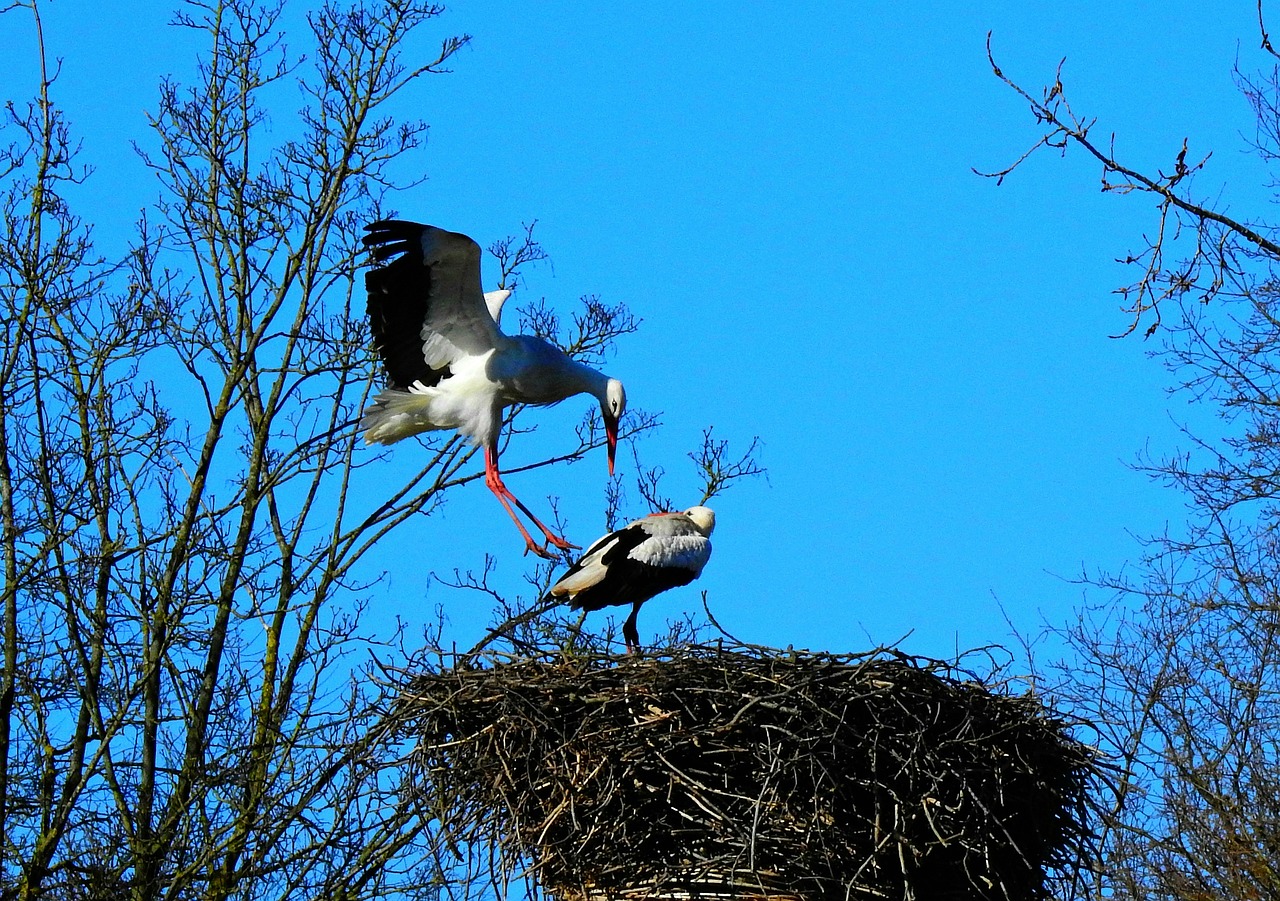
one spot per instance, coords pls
(494, 481)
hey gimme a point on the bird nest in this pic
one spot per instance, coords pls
(717, 772)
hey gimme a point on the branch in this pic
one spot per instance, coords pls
(1064, 128)
(512, 257)
(1266, 38)
(717, 470)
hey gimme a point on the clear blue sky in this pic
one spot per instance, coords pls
(783, 193)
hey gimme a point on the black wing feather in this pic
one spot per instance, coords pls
(397, 306)
(428, 284)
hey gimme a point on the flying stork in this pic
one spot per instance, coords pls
(448, 363)
(631, 565)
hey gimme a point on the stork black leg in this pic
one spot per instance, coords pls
(629, 633)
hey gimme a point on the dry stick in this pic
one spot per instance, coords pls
(517, 620)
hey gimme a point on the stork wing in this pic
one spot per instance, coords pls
(634, 563)
(590, 568)
(426, 306)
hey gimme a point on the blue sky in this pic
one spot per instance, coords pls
(783, 194)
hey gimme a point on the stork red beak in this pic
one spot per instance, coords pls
(611, 435)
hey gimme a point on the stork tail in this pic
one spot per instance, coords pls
(397, 414)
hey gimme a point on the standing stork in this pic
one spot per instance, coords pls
(631, 565)
(448, 363)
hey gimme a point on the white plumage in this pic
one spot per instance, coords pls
(448, 363)
(643, 559)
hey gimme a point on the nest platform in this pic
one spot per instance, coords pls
(719, 772)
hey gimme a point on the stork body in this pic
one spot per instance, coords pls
(631, 565)
(448, 363)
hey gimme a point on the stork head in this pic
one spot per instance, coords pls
(612, 405)
(704, 518)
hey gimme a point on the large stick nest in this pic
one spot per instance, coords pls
(750, 772)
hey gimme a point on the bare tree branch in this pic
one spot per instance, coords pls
(1214, 252)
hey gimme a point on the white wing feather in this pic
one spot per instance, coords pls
(591, 570)
(459, 322)
(689, 552)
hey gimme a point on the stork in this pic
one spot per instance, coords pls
(448, 363)
(631, 565)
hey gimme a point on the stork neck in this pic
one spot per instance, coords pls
(589, 380)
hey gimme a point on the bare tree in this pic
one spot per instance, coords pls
(1179, 666)
(186, 509)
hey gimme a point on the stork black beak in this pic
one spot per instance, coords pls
(611, 436)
